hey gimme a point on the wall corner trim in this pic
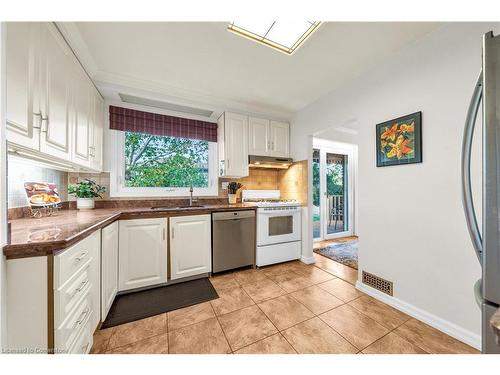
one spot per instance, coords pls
(455, 331)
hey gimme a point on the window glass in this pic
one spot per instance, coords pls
(162, 161)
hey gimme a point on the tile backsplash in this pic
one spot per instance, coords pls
(99, 178)
(20, 171)
(258, 179)
(292, 182)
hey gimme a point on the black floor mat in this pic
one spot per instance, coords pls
(139, 305)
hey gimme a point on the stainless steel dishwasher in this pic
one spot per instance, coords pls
(233, 240)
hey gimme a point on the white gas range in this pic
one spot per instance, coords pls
(278, 226)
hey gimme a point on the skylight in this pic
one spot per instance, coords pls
(285, 36)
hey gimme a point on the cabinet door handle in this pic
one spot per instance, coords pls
(173, 233)
(163, 234)
(272, 144)
(46, 121)
(82, 255)
(37, 120)
(80, 288)
(83, 315)
(85, 348)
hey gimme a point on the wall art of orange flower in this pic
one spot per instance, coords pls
(390, 132)
(399, 141)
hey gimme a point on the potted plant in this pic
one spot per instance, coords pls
(232, 189)
(85, 192)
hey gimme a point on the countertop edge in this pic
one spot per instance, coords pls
(37, 249)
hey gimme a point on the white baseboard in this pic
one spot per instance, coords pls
(308, 260)
(434, 321)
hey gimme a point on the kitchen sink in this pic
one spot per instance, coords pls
(177, 208)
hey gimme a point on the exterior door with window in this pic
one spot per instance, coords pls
(333, 192)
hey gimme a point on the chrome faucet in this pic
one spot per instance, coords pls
(191, 195)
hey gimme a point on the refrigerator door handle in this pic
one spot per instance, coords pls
(478, 295)
(467, 201)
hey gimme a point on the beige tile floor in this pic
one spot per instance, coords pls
(285, 308)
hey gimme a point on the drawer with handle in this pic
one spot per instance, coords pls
(67, 332)
(69, 261)
(83, 342)
(71, 293)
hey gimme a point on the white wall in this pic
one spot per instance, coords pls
(411, 224)
(3, 192)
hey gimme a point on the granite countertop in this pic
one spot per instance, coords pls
(495, 324)
(31, 237)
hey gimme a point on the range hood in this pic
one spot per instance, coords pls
(269, 162)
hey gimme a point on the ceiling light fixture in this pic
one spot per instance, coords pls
(285, 36)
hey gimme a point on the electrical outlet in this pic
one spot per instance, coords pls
(224, 185)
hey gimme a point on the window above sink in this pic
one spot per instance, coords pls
(150, 166)
(159, 155)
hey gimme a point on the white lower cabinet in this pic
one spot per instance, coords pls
(142, 253)
(87, 276)
(77, 294)
(190, 246)
(84, 341)
(70, 280)
(109, 267)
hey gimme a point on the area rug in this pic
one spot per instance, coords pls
(342, 252)
(139, 305)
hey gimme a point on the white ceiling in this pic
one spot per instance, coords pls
(202, 64)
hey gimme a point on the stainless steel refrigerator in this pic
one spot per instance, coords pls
(486, 242)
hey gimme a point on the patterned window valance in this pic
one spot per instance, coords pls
(131, 120)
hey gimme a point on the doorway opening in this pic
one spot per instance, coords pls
(333, 190)
(333, 214)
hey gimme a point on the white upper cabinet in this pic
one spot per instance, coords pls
(268, 138)
(22, 83)
(142, 253)
(280, 138)
(233, 158)
(55, 94)
(190, 246)
(96, 131)
(82, 113)
(258, 136)
(54, 112)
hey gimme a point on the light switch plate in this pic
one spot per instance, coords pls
(224, 185)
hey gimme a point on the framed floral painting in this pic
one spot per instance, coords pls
(399, 141)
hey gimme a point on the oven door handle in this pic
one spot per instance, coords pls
(279, 212)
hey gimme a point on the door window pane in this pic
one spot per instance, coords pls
(336, 193)
(316, 195)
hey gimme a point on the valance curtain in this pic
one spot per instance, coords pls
(131, 120)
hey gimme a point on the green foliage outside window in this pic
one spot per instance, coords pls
(334, 180)
(160, 161)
